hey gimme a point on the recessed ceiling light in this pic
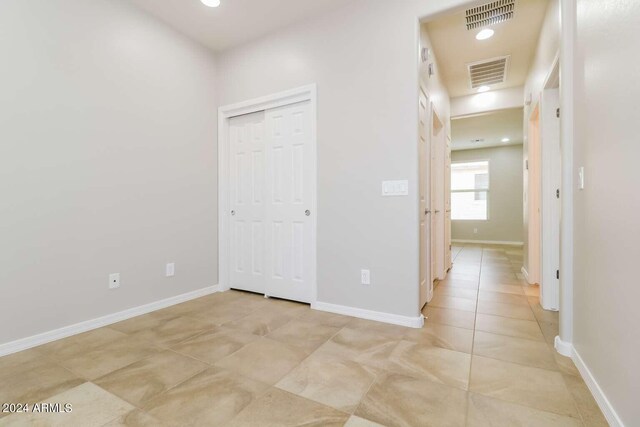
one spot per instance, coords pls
(505, 140)
(484, 89)
(211, 3)
(485, 34)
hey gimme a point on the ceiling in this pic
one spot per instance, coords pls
(455, 46)
(491, 127)
(234, 21)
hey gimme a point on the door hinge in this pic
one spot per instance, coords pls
(558, 112)
(558, 193)
(558, 274)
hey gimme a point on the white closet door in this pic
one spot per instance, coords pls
(425, 207)
(247, 197)
(289, 211)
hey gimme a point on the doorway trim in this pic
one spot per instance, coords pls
(225, 113)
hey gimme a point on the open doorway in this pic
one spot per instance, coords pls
(499, 232)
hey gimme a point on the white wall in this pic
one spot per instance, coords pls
(107, 162)
(546, 52)
(606, 219)
(505, 196)
(364, 58)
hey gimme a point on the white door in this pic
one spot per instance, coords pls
(433, 196)
(247, 197)
(290, 249)
(447, 206)
(426, 283)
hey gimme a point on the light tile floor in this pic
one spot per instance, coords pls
(484, 358)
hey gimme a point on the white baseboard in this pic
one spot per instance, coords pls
(489, 242)
(67, 331)
(605, 406)
(525, 273)
(563, 347)
(395, 319)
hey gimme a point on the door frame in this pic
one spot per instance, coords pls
(225, 113)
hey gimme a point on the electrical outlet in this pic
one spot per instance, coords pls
(475, 231)
(170, 269)
(365, 277)
(114, 281)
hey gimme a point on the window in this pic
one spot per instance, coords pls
(470, 190)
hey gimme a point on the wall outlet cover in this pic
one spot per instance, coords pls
(114, 280)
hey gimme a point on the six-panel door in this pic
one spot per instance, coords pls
(271, 194)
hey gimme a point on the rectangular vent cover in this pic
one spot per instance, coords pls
(490, 14)
(488, 72)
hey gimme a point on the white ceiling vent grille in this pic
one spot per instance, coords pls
(488, 72)
(490, 14)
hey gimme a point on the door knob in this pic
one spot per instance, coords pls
(233, 213)
(427, 211)
(437, 212)
(307, 212)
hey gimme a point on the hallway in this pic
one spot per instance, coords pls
(485, 308)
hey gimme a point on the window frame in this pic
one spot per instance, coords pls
(487, 190)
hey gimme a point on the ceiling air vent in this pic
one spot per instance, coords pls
(488, 72)
(490, 14)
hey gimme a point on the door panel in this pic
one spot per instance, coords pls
(247, 151)
(424, 213)
(289, 267)
(447, 205)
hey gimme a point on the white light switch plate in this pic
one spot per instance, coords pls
(114, 280)
(395, 188)
(581, 178)
(170, 269)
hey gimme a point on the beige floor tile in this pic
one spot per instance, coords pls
(500, 287)
(534, 387)
(378, 328)
(91, 406)
(541, 314)
(514, 311)
(171, 331)
(361, 422)
(485, 411)
(455, 303)
(219, 314)
(549, 331)
(516, 350)
(306, 335)
(434, 363)
(511, 327)
(278, 408)
(100, 361)
(211, 398)
(449, 337)
(136, 418)
(367, 348)
(340, 384)
(289, 308)
(587, 406)
(565, 364)
(447, 316)
(260, 322)
(214, 344)
(456, 292)
(464, 282)
(18, 362)
(141, 323)
(81, 343)
(324, 318)
(264, 360)
(40, 381)
(398, 400)
(144, 380)
(502, 297)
